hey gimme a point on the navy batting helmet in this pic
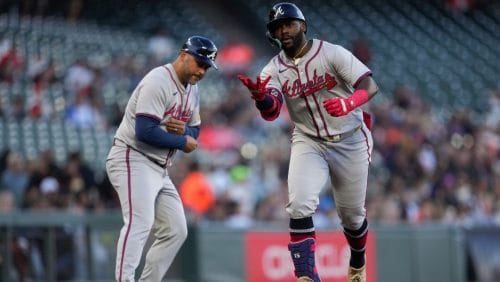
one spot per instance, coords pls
(280, 12)
(283, 11)
(202, 48)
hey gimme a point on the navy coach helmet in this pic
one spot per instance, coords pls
(202, 48)
(279, 12)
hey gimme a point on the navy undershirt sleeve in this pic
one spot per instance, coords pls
(193, 131)
(265, 104)
(147, 130)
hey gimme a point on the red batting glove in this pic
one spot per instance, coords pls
(342, 106)
(257, 89)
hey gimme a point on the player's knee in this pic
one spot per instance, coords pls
(178, 232)
(301, 209)
(143, 228)
(352, 218)
(182, 232)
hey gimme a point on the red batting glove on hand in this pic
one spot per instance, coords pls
(257, 89)
(342, 106)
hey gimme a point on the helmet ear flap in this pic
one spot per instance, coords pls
(275, 42)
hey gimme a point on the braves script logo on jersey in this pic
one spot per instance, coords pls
(317, 83)
(177, 112)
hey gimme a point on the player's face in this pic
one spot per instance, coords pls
(290, 33)
(193, 70)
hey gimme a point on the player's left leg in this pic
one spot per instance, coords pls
(307, 175)
(349, 170)
(170, 233)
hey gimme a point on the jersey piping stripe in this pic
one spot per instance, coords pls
(187, 99)
(313, 56)
(280, 60)
(171, 151)
(312, 115)
(173, 79)
(177, 86)
(148, 115)
(361, 78)
(313, 95)
(129, 188)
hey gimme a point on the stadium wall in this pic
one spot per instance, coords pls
(413, 253)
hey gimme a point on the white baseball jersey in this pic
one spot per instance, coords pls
(159, 95)
(326, 71)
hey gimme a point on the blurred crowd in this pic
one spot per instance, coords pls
(425, 167)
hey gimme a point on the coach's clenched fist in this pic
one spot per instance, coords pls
(191, 144)
(175, 126)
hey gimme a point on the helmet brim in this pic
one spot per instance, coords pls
(202, 59)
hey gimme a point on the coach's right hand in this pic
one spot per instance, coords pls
(257, 89)
(191, 144)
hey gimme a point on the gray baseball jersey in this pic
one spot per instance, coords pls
(326, 71)
(323, 147)
(159, 95)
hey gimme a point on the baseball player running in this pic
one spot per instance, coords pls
(161, 117)
(323, 85)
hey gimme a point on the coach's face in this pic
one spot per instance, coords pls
(290, 33)
(192, 69)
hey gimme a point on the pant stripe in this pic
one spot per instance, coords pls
(127, 160)
(367, 146)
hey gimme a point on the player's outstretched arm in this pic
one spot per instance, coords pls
(268, 104)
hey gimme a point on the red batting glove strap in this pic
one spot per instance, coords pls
(342, 106)
(258, 88)
(358, 98)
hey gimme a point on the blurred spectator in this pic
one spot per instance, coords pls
(78, 81)
(19, 244)
(86, 113)
(11, 62)
(361, 49)
(235, 58)
(14, 178)
(79, 176)
(196, 192)
(236, 217)
(42, 74)
(74, 10)
(460, 5)
(17, 109)
(160, 46)
(7, 201)
(493, 114)
(33, 8)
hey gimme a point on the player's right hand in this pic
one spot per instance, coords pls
(258, 88)
(175, 126)
(191, 144)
